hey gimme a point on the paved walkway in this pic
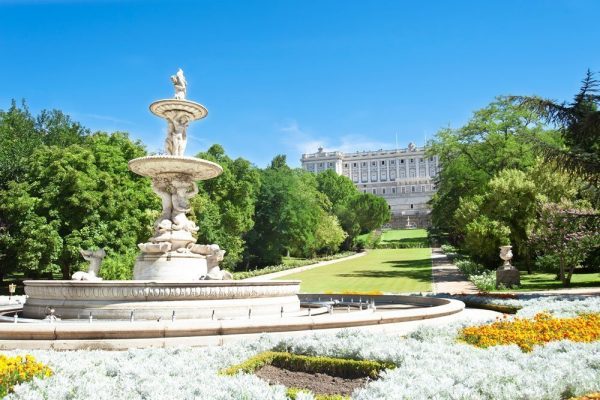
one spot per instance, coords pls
(446, 276)
(279, 274)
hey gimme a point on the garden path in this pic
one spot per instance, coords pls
(447, 278)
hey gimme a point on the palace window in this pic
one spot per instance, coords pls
(354, 165)
(412, 160)
(412, 189)
(373, 163)
(402, 161)
(374, 191)
(383, 163)
(383, 191)
(393, 190)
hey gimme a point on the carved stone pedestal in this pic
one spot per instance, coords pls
(508, 277)
(170, 266)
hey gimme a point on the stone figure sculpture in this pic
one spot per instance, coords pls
(183, 190)
(180, 84)
(95, 258)
(177, 134)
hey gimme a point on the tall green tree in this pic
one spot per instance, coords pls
(21, 134)
(495, 138)
(224, 207)
(288, 211)
(579, 125)
(80, 196)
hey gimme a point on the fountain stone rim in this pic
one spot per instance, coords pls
(161, 108)
(157, 165)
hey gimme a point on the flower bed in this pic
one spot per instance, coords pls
(430, 364)
(526, 333)
(19, 369)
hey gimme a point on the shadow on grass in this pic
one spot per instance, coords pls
(544, 283)
(418, 270)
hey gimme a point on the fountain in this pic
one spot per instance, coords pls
(179, 295)
(172, 274)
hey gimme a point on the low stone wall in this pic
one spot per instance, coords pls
(121, 335)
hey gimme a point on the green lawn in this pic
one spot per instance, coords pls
(385, 270)
(543, 281)
(403, 235)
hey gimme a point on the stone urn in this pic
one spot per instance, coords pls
(506, 274)
(506, 255)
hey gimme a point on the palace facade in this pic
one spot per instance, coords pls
(403, 177)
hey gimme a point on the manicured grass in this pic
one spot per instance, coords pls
(399, 235)
(385, 270)
(544, 281)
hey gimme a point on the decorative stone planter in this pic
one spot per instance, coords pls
(506, 274)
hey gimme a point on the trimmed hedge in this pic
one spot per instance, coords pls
(420, 244)
(294, 264)
(341, 367)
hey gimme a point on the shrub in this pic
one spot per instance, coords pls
(448, 248)
(486, 281)
(15, 370)
(468, 267)
(526, 333)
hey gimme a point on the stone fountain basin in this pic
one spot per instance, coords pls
(195, 168)
(150, 300)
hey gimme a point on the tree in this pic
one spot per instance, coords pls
(338, 188)
(568, 232)
(80, 196)
(224, 207)
(579, 125)
(508, 206)
(329, 235)
(288, 211)
(371, 211)
(21, 134)
(494, 139)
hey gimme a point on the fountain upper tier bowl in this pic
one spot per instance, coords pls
(163, 108)
(155, 166)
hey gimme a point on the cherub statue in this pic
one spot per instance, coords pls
(177, 136)
(180, 84)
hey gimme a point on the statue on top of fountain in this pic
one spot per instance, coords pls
(180, 84)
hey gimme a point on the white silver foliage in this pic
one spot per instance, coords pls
(430, 365)
(563, 306)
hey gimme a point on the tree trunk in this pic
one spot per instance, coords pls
(570, 275)
(561, 271)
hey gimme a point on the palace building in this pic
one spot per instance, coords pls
(403, 177)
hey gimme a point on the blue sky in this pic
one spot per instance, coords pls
(288, 76)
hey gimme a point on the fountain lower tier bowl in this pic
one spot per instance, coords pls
(159, 299)
(164, 165)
